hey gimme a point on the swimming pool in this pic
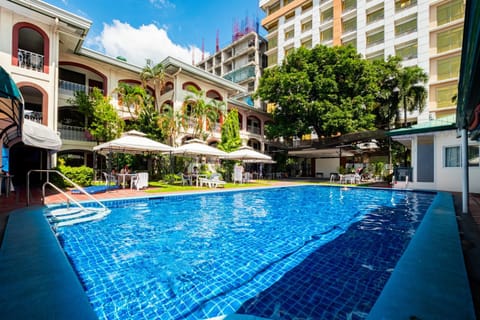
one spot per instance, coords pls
(298, 252)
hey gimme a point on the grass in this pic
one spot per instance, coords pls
(161, 186)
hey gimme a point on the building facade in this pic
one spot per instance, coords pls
(427, 33)
(242, 62)
(42, 49)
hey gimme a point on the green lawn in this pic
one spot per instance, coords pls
(161, 186)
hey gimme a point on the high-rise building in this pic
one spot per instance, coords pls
(427, 33)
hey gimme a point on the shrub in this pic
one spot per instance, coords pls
(82, 176)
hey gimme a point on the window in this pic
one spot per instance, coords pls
(326, 15)
(450, 12)
(289, 16)
(351, 42)
(448, 68)
(272, 43)
(272, 59)
(288, 51)
(289, 34)
(306, 43)
(349, 25)
(404, 4)
(375, 16)
(407, 51)
(274, 8)
(375, 38)
(348, 5)
(406, 27)
(445, 95)
(378, 55)
(453, 157)
(449, 40)
(326, 35)
(307, 6)
(307, 25)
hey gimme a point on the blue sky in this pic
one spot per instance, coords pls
(141, 29)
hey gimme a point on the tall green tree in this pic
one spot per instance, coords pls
(387, 111)
(132, 98)
(204, 113)
(106, 124)
(411, 90)
(328, 89)
(170, 123)
(154, 74)
(230, 137)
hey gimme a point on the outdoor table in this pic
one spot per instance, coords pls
(124, 175)
(197, 178)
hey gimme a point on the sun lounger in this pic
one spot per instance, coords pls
(212, 182)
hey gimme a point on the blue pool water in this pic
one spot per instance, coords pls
(307, 252)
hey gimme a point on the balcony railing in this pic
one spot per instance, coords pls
(30, 60)
(69, 88)
(33, 115)
(252, 129)
(74, 133)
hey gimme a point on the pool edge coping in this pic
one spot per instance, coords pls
(428, 283)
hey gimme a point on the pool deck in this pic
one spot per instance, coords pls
(37, 281)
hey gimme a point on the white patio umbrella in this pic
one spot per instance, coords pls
(133, 142)
(249, 155)
(197, 147)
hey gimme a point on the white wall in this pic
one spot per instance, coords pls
(327, 166)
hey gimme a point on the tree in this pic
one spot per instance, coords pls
(230, 139)
(106, 124)
(329, 90)
(154, 75)
(170, 122)
(387, 109)
(131, 97)
(411, 90)
(204, 114)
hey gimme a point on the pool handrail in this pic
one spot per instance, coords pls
(48, 182)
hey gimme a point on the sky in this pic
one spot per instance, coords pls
(154, 29)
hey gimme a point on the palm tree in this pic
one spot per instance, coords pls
(204, 113)
(154, 75)
(131, 97)
(170, 122)
(412, 94)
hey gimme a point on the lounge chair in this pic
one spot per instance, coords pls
(212, 182)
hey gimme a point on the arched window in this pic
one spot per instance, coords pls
(213, 94)
(36, 102)
(167, 87)
(189, 84)
(255, 144)
(240, 121)
(166, 104)
(253, 125)
(30, 47)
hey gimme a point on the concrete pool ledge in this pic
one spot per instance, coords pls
(37, 280)
(430, 280)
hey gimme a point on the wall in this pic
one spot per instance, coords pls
(327, 166)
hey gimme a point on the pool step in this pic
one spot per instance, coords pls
(70, 216)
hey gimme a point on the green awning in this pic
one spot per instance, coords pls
(11, 108)
(441, 124)
(468, 114)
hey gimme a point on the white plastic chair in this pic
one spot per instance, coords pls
(140, 180)
(109, 178)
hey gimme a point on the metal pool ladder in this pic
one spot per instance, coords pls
(71, 214)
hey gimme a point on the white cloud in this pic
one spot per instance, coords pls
(137, 45)
(162, 4)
